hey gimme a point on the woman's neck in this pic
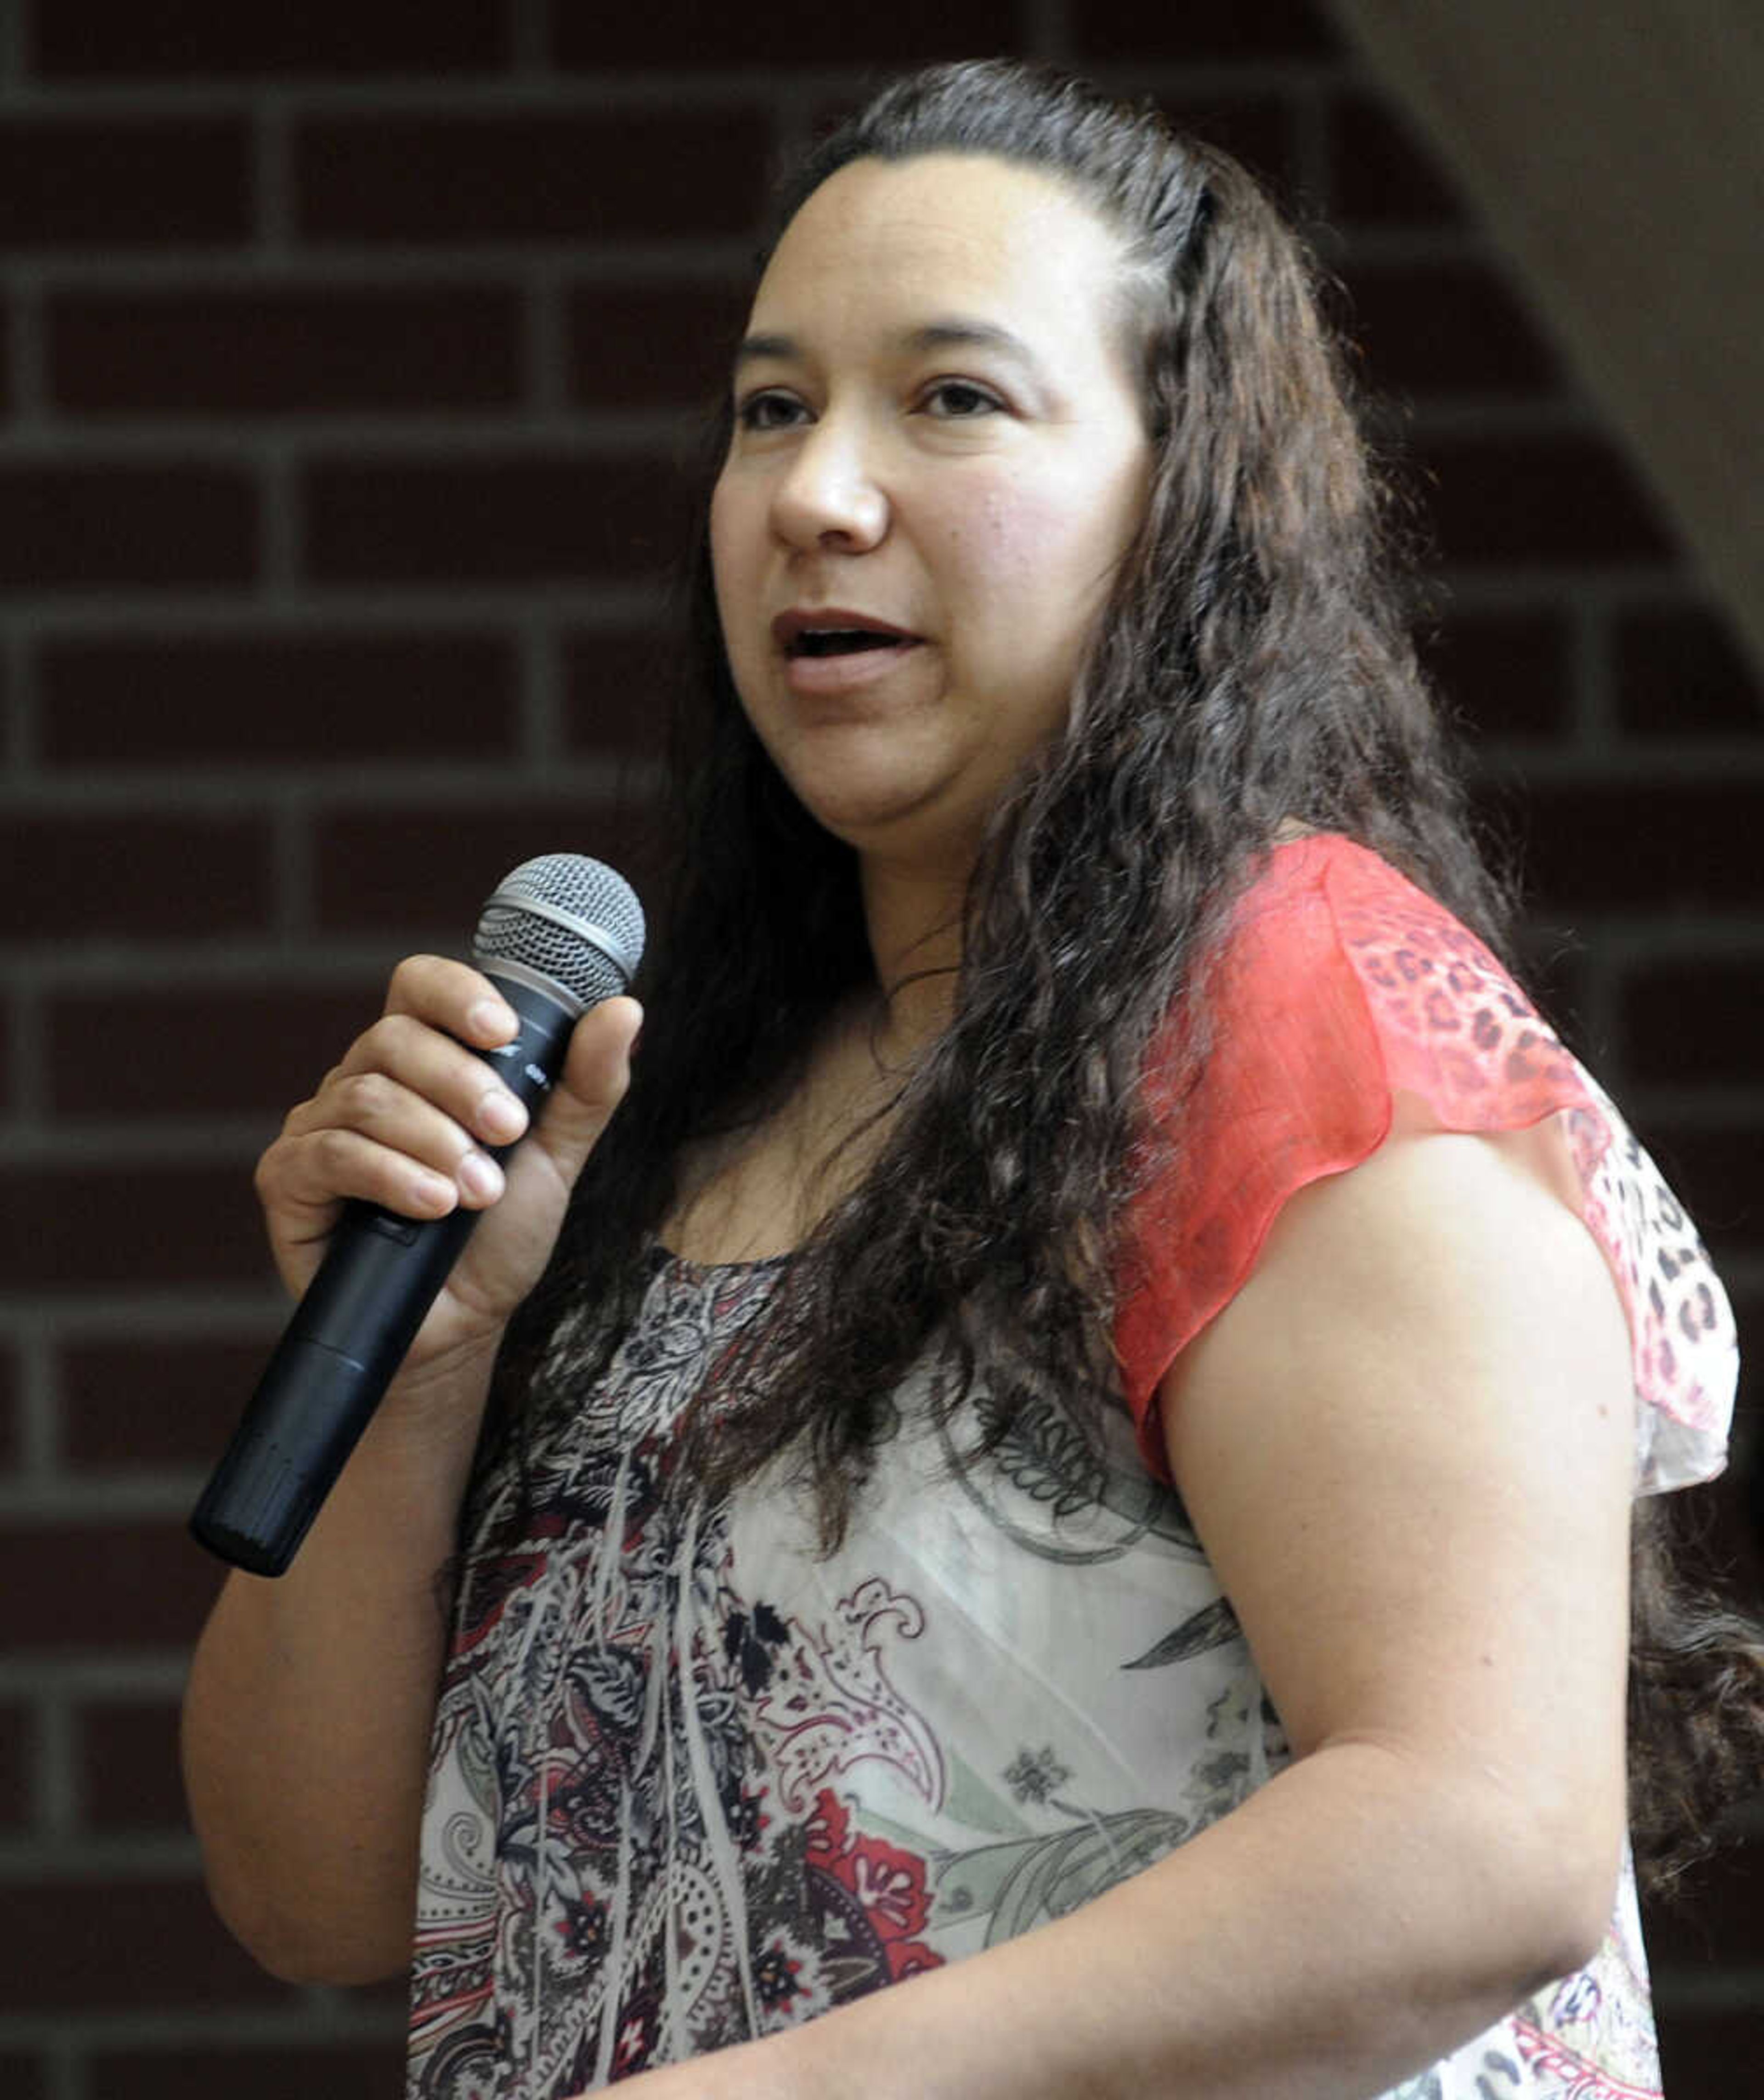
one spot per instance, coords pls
(760, 1190)
(913, 917)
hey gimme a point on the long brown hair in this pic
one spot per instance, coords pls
(1253, 665)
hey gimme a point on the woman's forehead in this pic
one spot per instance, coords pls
(946, 232)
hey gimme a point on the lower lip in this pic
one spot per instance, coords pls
(820, 676)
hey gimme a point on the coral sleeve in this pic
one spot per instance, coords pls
(1340, 986)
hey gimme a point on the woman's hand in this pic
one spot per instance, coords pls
(307, 1714)
(405, 1120)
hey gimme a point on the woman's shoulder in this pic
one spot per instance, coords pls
(1327, 889)
(1344, 1003)
(1338, 965)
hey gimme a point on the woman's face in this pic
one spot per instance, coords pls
(938, 460)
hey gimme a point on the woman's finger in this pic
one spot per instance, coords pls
(314, 1174)
(452, 996)
(401, 1056)
(596, 1073)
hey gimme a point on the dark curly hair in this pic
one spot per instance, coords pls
(1252, 666)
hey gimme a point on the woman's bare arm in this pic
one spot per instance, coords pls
(307, 1717)
(308, 1714)
(1408, 1446)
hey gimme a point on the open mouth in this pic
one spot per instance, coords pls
(842, 642)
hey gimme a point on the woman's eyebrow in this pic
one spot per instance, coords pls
(959, 333)
(756, 349)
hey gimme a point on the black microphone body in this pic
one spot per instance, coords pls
(381, 1274)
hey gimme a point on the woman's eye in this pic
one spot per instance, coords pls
(768, 411)
(960, 399)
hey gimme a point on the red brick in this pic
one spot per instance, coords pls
(83, 526)
(284, 350)
(1711, 2055)
(1556, 973)
(265, 696)
(105, 1586)
(1718, 1532)
(1659, 847)
(1748, 1491)
(180, 40)
(614, 693)
(1714, 1169)
(1680, 672)
(1257, 130)
(1504, 673)
(11, 1437)
(507, 518)
(182, 1050)
(134, 1228)
(1116, 30)
(641, 346)
(1384, 175)
(17, 1732)
(535, 174)
(1562, 501)
(1735, 1518)
(120, 1946)
(790, 32)
(1723, 1918)
(1447, 328)
(116, 182)
(126, 1766)
(1694, 1018)
(153, 1402)
(367, 2071)
(423, 874)
(72, 876)
(1748, 1310)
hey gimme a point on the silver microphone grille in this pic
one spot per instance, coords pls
(569, 919)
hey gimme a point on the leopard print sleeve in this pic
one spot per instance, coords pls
(1342, 987)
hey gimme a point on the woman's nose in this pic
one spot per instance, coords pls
(829, 493)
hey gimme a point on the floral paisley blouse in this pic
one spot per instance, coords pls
(691, 1782)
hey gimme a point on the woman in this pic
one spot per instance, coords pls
(1075, 1444)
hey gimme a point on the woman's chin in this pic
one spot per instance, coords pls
(861, 806)
(909, 838)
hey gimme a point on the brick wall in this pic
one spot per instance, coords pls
(345, 355)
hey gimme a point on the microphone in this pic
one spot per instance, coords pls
(560, 934)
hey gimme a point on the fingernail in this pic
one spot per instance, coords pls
(500, 1115)
(490, 1016)
(427, 1189)
(480, 1177)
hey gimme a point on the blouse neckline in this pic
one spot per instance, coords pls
(686, 1266)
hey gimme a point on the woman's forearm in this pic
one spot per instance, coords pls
(1356, 1920)
(307, 1714)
